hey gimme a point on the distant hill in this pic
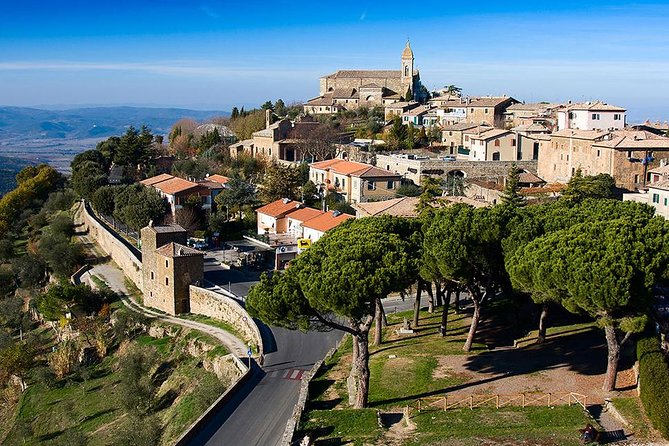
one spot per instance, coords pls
(9, 167)
(94, 122)
(56, 136)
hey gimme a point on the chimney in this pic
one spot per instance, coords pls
(268, 118)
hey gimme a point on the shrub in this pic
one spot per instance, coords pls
(654, 380)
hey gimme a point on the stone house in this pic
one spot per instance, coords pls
(624, 154)
(522, 114)
(452, 136)
(169, 267)
(488, 110)
(355, 182)
(398, 109)
(495, 145)
(397, 207)
(415, 115)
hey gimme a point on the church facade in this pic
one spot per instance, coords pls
(350, 89)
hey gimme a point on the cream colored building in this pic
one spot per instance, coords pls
(355, 182)
(494, 145)
(595, 115)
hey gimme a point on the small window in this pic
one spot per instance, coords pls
(167, 280)
(636, 178)
(598, 152)
(343, 183)
(391, 185)
(152, 277)
(595, 116)
(497, 143)
(665, 201)
(656, 198)
(616, 117)
(167, 263)
(629, 154)
(371, 185)
(485, 110)
(513, 142)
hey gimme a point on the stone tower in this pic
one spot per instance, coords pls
(168, 268)
(407, 69)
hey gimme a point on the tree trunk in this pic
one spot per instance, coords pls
(362, 371)
(444, 314)
(456, 304)
(613, 357)
(430, 301)
(383, 316)
(474, 325)
(440, 294)
(542, 324)
(416, 304)
(378, 319)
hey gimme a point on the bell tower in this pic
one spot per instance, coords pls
(407, 69)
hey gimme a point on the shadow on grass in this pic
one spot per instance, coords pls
(97, 415)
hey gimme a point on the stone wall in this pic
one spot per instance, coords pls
(484, 170)
(217, 306)
(112, 245)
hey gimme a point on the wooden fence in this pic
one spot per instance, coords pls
(497, 401)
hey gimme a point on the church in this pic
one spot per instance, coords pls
(350, 89)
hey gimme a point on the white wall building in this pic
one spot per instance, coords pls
(591, 116)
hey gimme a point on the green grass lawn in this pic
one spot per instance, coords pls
(530, 425)
(407, 367)
(632, 411)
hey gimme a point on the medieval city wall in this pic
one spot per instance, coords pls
(218, 306)
(113, 246)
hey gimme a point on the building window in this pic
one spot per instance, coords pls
(371, 185)
(167, 263)
(567, 157)
(497, 143)
(656, 198)
(665, 201)
(495, 156)
(629, 154)
(152, 275)
(571, 115)
(513, 142)
(595, 116)
(598, 152)
(636, 178)
(616, 117)
(167, 281)
(485, 110)
(472, 110)
(343, 183)
(391, 184)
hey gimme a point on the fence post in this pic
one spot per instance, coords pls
(549, 399)
(523, 400)
(471, 402)
(418, 405)
(497, 401)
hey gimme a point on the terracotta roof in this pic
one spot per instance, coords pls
(344, 93)
(662, 184)
(528, 177)
(326, 221)
(354, 169)
(304, 214)
(661, 170)
(175, 185)
(218, 178)
(279, 208)
(634, 139)
(157, 179)
(382, 74)
(177, 250)
(402, 104)
(477, 130)
(580, 134)
(398, 207)
(534, 127)
(326, 100)
(460, 126)
(492, 134)
(489, 101)
(593, 106)
(532, 106)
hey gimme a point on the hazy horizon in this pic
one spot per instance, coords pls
(213, 56)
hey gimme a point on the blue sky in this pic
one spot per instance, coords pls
(216, 54)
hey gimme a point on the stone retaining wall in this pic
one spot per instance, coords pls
(112, 246)
(218, 306)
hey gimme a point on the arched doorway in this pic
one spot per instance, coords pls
(455, 183)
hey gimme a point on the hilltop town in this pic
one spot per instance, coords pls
(381, 264)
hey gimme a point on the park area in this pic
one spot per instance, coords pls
(531, 394)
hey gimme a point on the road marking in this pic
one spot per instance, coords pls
(292, 374)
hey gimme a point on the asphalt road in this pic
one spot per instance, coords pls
(258, 413)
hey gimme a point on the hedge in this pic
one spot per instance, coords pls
(654, 381)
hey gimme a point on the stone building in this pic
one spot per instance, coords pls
(169, 267)
(626, 155)
(351, 89)
(355, 182)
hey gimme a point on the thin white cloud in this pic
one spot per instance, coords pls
(168, 69)
(363, 16)
(209, 12)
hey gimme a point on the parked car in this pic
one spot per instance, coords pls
(449, 158)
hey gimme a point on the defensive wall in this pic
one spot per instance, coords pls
(126, 256)
(217, 306)
(414, 169)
